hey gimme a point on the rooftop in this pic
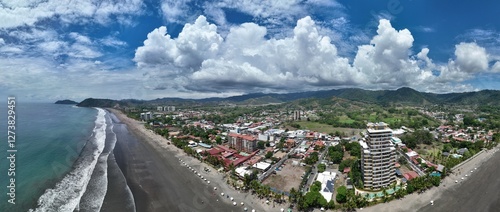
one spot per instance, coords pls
(377, 127)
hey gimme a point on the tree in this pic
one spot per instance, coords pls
(316, 186)
(321, 167)
(354, 149)
(346, 163)
(435, 180)
(294, 195)
(336, 157)
(312, 158)
(218, 140)
(447, 148)
(269, 154)
(261, 145)
(341, 194)
(336, 153)
(331, 204)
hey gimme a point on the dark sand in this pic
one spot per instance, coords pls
(481, 192)
(158, 181)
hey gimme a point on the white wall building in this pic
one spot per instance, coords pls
(378, 157)
(327, 180)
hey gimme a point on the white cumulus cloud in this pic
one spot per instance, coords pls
(27, 13)
(248, 59)
(471, 57)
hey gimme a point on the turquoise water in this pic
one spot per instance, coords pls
(49, 138)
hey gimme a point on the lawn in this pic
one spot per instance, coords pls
(325, 128)
(346, 120)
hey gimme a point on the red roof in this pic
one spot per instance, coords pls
(410, 175)
(319, 143)
(214, 151)
(225, 148)
(347, 170)
(227, 154)
(431, 164)
(246, 137)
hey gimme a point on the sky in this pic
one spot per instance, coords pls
(123, 49)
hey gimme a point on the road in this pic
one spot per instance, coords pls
(312, 178)
(273, 167)
(413, 166)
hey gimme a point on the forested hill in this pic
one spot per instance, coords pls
(403, 96)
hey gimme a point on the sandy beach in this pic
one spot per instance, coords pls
(160, 181)
(478, 191)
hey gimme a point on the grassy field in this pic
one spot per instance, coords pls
(325, 128)
(346, 120)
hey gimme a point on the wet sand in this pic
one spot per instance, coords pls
(155, 176)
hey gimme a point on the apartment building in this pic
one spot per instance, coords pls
(245, 143)
(378, 157)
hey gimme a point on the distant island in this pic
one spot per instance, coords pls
(66, 102)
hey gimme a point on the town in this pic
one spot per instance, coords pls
(343, 155)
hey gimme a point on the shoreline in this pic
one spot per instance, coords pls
(155, 174)
(475, 170)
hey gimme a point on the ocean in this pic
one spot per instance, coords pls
(64, 155)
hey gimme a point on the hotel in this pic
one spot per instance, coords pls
(378, 157)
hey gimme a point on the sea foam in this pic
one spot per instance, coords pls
(93, 198)
(66, 194)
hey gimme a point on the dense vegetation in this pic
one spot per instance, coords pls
(402, 96)
(411, 140)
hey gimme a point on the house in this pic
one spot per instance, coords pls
(319, 143)
(462, 151)
(347, 170)
(349, 183)
(242, 171)
(410, 175)
(440, 168)
(398, 173)
(290, 143)
(327, 180)
(262, 166)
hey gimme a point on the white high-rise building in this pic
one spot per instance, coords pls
(378, 157)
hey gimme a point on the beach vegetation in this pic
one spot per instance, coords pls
(422, 183)
(248, 178)
(294, 195)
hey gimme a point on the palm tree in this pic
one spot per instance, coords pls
(278, 196)
(293, 195)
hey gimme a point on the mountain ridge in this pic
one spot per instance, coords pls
(403, 96)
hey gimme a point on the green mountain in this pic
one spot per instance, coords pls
(402, 96)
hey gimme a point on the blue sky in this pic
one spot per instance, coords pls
(194, 49)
